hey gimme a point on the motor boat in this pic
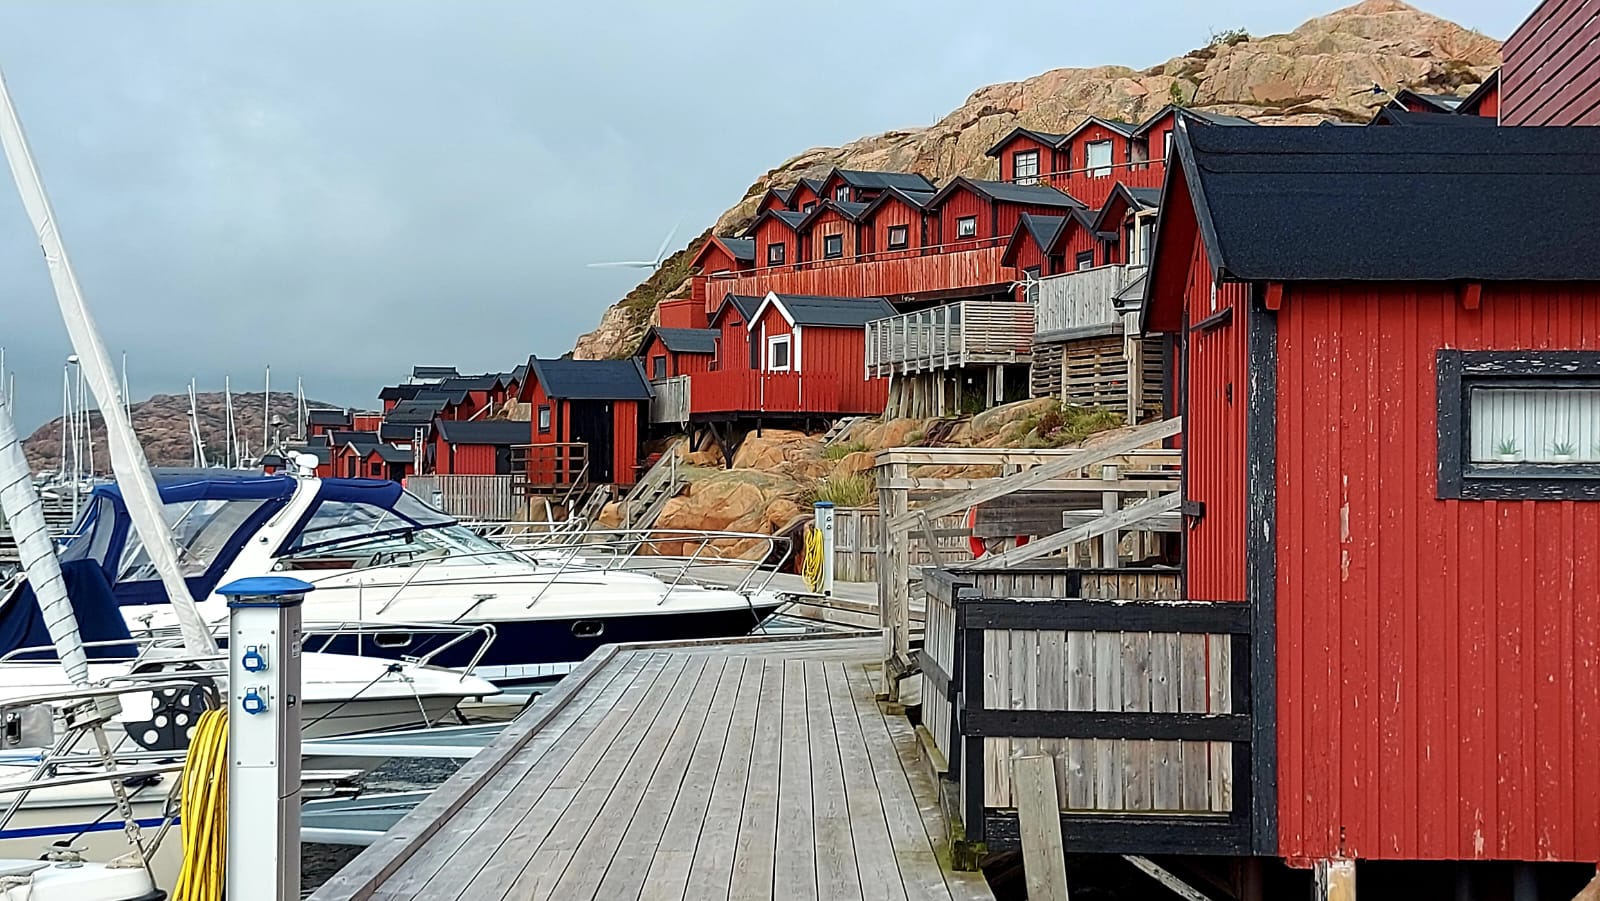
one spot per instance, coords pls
(381, 560)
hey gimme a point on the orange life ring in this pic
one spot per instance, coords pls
(977, 545)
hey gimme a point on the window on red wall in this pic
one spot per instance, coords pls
(899, 237)
(1025, 167)
(376, 469)
(775, 253)
(967, 227)
(1084, 260)
(544, 420)
(658, 367)
(1099, 158)
(832, 247)
(842, 194)
(1166, 145)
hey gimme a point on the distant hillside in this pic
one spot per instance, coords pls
(162, 423)
(1323, 70)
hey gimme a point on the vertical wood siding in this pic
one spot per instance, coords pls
(467, 459)
(829, 222)
(959, 205)
(625, 416)
(1439, 661)
(774, 230)
(1214, 437)
(1551, 74)
(683, 313)
(797, 201)
(1020, 144)
(1076, 239)
(893, 212)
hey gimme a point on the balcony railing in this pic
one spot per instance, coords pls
(545, 468)
(895, 273)
(746, 391)
(1092, 185)
(1082, 302)
(669, 399)
(968, 332)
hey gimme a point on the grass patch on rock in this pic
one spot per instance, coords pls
(847, 490)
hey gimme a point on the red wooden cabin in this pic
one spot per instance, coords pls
(1096, 156)
(366, 421)
(478, 448)
(599, 405)
(364, 457)
(861, 186)
(394, 395)
(1129, 218)
(1026, 155)
(720, 255)
(321, 421)
(775, 199)
(894, 225)
(802, 357)
(1549, 76)
(968, 213)
(831, 234)
(1030, 247)
(805, 195)
(1484, 99)
(670, 352)
(775, 236)
(1152, 140)
(1392, 454)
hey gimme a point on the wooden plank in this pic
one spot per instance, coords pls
(1051, 681)
(625, 876)
(1136, 699)
(837, 873)
(1220, 676)
(796, 865)
(753, 861)
(1108, 752)
(711, 873)
(1039, 820)
(1192, 698)
(869, 829)
(1166, 774)
(1172, 883)
(1122, 519)
(1080, 768)
(997, 696)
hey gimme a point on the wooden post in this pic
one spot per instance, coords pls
(1044, 859)
(1591, 892)
(1109, 502)
(894, 578)
(1336, 880)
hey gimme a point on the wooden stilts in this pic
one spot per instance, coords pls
(1591, 892)
(1044, 859)
(1335, 880)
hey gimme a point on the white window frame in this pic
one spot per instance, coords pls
(832, 256)
(773, 342)
(1166, 147)
(783, 253)
(889, 237)
(1025, 178)
(962, 224)
(1099, 170)
(841, 194)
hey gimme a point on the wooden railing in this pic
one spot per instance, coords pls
(545, 468)
(744, 391)
(669, 399)
(1092, 185)
(1078, 301)
(963, 264)
(968, 332)
(483, 498)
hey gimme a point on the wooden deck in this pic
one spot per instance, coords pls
(742, 770)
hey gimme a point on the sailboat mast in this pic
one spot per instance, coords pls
(266, 415)
(128, 461)
(230, 459)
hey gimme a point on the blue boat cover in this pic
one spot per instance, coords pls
(99, 619)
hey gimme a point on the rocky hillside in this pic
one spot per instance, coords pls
(162, 424)
(1325, 69)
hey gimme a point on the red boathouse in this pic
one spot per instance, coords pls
(1391, 398)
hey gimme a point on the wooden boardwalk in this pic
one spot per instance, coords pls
(753, 769)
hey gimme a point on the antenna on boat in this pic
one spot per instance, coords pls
(128, 461)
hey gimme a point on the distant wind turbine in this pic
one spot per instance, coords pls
(652, 265)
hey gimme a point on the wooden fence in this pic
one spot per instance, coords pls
(1141, 703)
(669, 400)
(480, 498)
(1075, 301)
(858, 537)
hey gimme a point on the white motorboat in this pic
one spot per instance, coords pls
(380, 557)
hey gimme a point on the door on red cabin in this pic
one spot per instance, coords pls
(591, 423)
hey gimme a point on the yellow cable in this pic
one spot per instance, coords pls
(204, 811)
(811, 564)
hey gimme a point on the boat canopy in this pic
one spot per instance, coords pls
(213, 516)
(100, 621)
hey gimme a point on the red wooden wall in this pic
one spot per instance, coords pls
(1439, 660)
(829, 222)
(888, 274)
(1551, 74)
(961, 203)
(625, 416)
(686, 312)
(797, 201)
(1214, 436)
(775, 230)
(1077, 238)
(1049, 157)
(893, 212)
(1489, 104)
(1076, 157)
(677, 363)
(1154, 141)
(467, 459)
(716, 259)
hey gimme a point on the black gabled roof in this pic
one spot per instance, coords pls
(783, 194)
(518, 374)
(1395, 204)
(1126, 129)
(852, 211)
(787, 217)
(1007, 192)
(1438, 103)
(1043, 230)
(740, 248)
(388, 453)
(1136, 199)
(743, 304)
(486, 382)
(401, 431)
(340, 437)
(815, 184)
(1194, 115)
(400, 392)
(918, 200)
(1470, 104)
(877, 181)
(327, 416)
(1393, 116)
(684, 340)
(570, 379)
(498, 432)
(1049, 139)
(829, 312)
(433, 372)
(441, 396)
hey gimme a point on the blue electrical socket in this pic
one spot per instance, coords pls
(254, 702)
(253, 661)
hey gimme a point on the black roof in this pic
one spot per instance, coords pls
(918, 200)
(1396, 204)
(433, 372)
(743, 304)
(400, 392)
(401, 430)
(518, 375)
(1126, 129)
(1137, 198)
(1391, 116)
(482, 431)
(327, 416)
(686, 340)
(851, 211)
(787, 217)
(1049, 139)
(877, 181)
(388, 453)
(439, 396)
(592, 379)
(344, 436)
(1439, 103)
(845, 312)
(486, 382)
(741, 248)
(815, 184)
(1043, 230)
(1193, 115)
(782, 194)
(1033, 195)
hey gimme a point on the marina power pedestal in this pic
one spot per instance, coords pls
(264, 738)
(823, 511)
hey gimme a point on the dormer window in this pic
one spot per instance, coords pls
(810, 205)
(841, 194)
(775, 253)
(832, 247)
(967, 227)
(1099, 162)
(1025, 167)
(899, 237)
(1166, 145)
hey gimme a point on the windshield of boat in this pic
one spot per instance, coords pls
(203, 529)
(452, 543)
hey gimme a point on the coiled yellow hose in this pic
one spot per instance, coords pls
(811, 562)
(204, 811)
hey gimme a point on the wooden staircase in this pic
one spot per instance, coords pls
(642, 505)
(841, 428)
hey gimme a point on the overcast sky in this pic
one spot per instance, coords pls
(341, 189)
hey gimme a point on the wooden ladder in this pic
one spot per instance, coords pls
(642, 505)
(840, 429)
